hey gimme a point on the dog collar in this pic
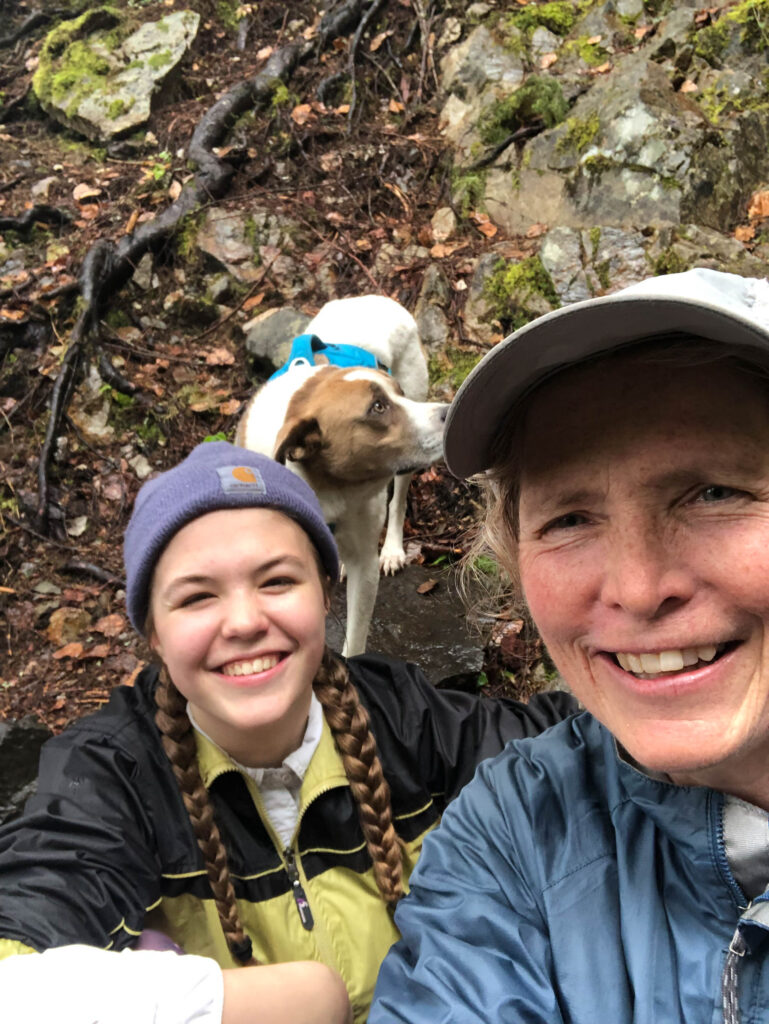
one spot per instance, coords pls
(309, 350)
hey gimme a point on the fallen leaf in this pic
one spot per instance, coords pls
(83, 192)
(229, 408)
(264, 53)
(219, 357)
(443, 249)
(330, 161)
(602, 69)
(642, 31)
(97, 651)
(378, 39)
(745, 233)
(254, 301)
(175, 189)
(12, 314)
(110, 625)
(594, 40)
(343, 108)
(547, 60)
(427, 586)
(7, 590)
(302, 113)
(689, 86)
(758, 207)
(73, 650)
(395, 107)
(536, 230)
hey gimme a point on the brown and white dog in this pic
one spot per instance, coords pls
(348, 432)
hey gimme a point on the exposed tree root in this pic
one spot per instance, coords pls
(41, 213)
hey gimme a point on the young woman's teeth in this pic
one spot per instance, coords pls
(248, 668)
(666, 661)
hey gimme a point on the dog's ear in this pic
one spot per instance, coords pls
(299, 441)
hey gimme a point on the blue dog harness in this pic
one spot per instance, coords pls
(306, 347)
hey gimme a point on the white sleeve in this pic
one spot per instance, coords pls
(85, 985)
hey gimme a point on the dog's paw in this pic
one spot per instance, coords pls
(391, 562)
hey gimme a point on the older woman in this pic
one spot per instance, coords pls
(616, 868)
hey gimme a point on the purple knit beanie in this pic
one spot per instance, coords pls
(215, 475)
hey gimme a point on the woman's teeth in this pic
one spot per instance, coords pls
(666, 661)
(248, 668)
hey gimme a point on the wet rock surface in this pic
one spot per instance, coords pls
(427, 628)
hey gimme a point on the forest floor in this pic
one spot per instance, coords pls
(354, 179)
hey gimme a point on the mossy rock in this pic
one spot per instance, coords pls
(99, 72)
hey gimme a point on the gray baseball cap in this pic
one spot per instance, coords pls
(702, 303)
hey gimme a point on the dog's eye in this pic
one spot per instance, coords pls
(377, 407)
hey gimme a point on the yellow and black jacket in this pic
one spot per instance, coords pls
(105, 848)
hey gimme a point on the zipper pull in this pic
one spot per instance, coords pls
(300, 898)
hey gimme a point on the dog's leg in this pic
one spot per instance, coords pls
(392, 556)
(358, 548)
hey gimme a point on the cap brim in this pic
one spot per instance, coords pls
(563, 338)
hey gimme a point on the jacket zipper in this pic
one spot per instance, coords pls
(300, 897)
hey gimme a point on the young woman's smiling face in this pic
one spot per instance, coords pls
(238, 610)
(644, 558)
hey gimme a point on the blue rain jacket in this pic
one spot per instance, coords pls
(565, 886)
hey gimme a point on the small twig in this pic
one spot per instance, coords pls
(114, 378)
(103, 575)
(34, 19)
(520, 133)
(21, 525)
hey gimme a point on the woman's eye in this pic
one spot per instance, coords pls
(566, 522)
(279, 581)
(190, 599)
(717, 492)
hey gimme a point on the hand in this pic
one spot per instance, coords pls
(304, 992)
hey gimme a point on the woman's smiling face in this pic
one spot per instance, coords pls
(644, 559)
(238, 612)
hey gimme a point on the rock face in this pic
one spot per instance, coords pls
(99, 72)
(627, 137)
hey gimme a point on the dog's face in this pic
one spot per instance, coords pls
(356, 425)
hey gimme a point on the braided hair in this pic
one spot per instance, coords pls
(179, 744)
(349, 724)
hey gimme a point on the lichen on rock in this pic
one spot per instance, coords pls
(98, 72)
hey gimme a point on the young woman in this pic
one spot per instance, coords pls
(618, 868)
(253, 800)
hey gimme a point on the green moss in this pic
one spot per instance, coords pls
(117, 318)
(282, 95)
(593, 54)
(511, 285)
(228, 14)
(539, 98)
(595, 239)
(558, 17)
(451, 366)
(580, 133)
(597, 164)
(159, 60)
(468, 190)
(68, 66)
(669, 262)
(711, 42)
(187, 236)
(718, 100)
(752, 17)
(602, 272)
(116, 108)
